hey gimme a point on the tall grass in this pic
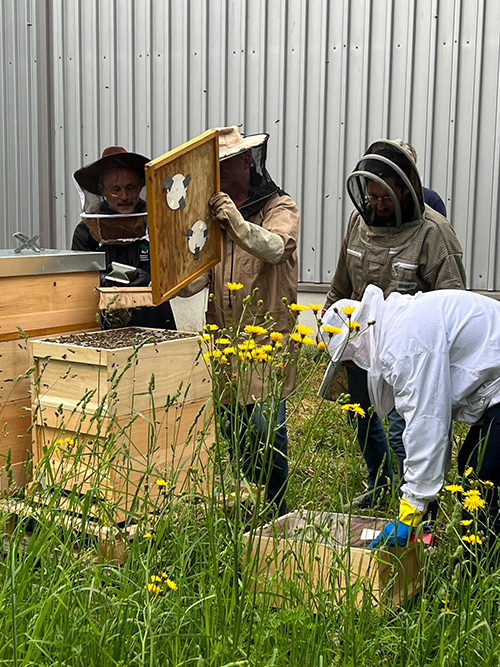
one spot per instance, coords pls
(185, 595)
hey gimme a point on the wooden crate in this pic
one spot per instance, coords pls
(38, 304)
(140, 436)
(321, 558)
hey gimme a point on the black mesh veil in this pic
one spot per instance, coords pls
(262, 185)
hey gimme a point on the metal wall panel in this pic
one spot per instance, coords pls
(323, 77)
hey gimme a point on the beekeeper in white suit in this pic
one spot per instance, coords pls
(435, 357)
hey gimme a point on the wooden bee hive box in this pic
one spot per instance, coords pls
(41, 293)
(323, 559)
(114, 420)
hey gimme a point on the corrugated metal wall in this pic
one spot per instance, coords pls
(323, 77)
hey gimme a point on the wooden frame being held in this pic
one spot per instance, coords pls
(184, 242)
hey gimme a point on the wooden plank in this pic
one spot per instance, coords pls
(199, 160)
(63, 382)
(124, 461)
(14, 362)
(48, 301)
(21, 474)
(15, 420)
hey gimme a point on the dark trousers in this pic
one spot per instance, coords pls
(258, 446)
(481, 451)
(371, 434)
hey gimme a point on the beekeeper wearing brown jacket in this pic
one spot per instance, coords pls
(395, 241)
(260, 229)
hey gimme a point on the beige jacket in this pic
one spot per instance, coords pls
(273, 281)
(420, 255)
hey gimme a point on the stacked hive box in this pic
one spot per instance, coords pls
(39, 293)
(323, 557)
(114, 422)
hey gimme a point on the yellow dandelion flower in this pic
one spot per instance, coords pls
(296, 337)
(469, 471)
(224, 359)
(348, 310)
(217, 354)
(234, 287)
(308, 341)
(211, 327)
(472, 503)
(171, 584)
(223, 341)
(164, 575)
(321, 345)
(255, 329)
(155, 579)
(280, 365)
(297, 307)
(487, 483)
(275, 336)
(354, 326)
(161, 482)
(331, 330)
(315, 307)
(466, 522)
(207, 355)
(154, 589)
(454, 488)
(247, 344)
(229, 350)
(69, 441)
(148, 536)
(472, 539)
(304, 330)
(353, 407)
(203, 338)
(472, 492)
(267, 348)
(278, 346)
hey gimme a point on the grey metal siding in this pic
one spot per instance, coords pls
(323, 77)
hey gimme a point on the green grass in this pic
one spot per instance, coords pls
(62, 604)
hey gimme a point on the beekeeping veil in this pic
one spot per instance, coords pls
(357, 346)
(262, 186)
(387, 159)
(106, 225)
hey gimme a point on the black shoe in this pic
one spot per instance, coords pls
(366, 501)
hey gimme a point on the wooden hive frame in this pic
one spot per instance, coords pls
(198, 161)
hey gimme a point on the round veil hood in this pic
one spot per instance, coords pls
(387, 159)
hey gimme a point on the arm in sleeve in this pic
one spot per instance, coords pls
(82, 239)
(341, 285)
(422, 393)
(273, 242)
(443, 266)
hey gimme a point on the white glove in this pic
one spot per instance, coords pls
(256, 240)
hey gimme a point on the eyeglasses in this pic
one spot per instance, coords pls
(374, 200)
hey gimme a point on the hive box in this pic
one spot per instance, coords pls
(322, 559)
(114, 421)
(40, 293)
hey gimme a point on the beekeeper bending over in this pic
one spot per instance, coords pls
(435, 357)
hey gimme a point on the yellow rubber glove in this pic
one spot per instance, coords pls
(409, 515)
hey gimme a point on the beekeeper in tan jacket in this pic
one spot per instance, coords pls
(395, 241)
(260, 229)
